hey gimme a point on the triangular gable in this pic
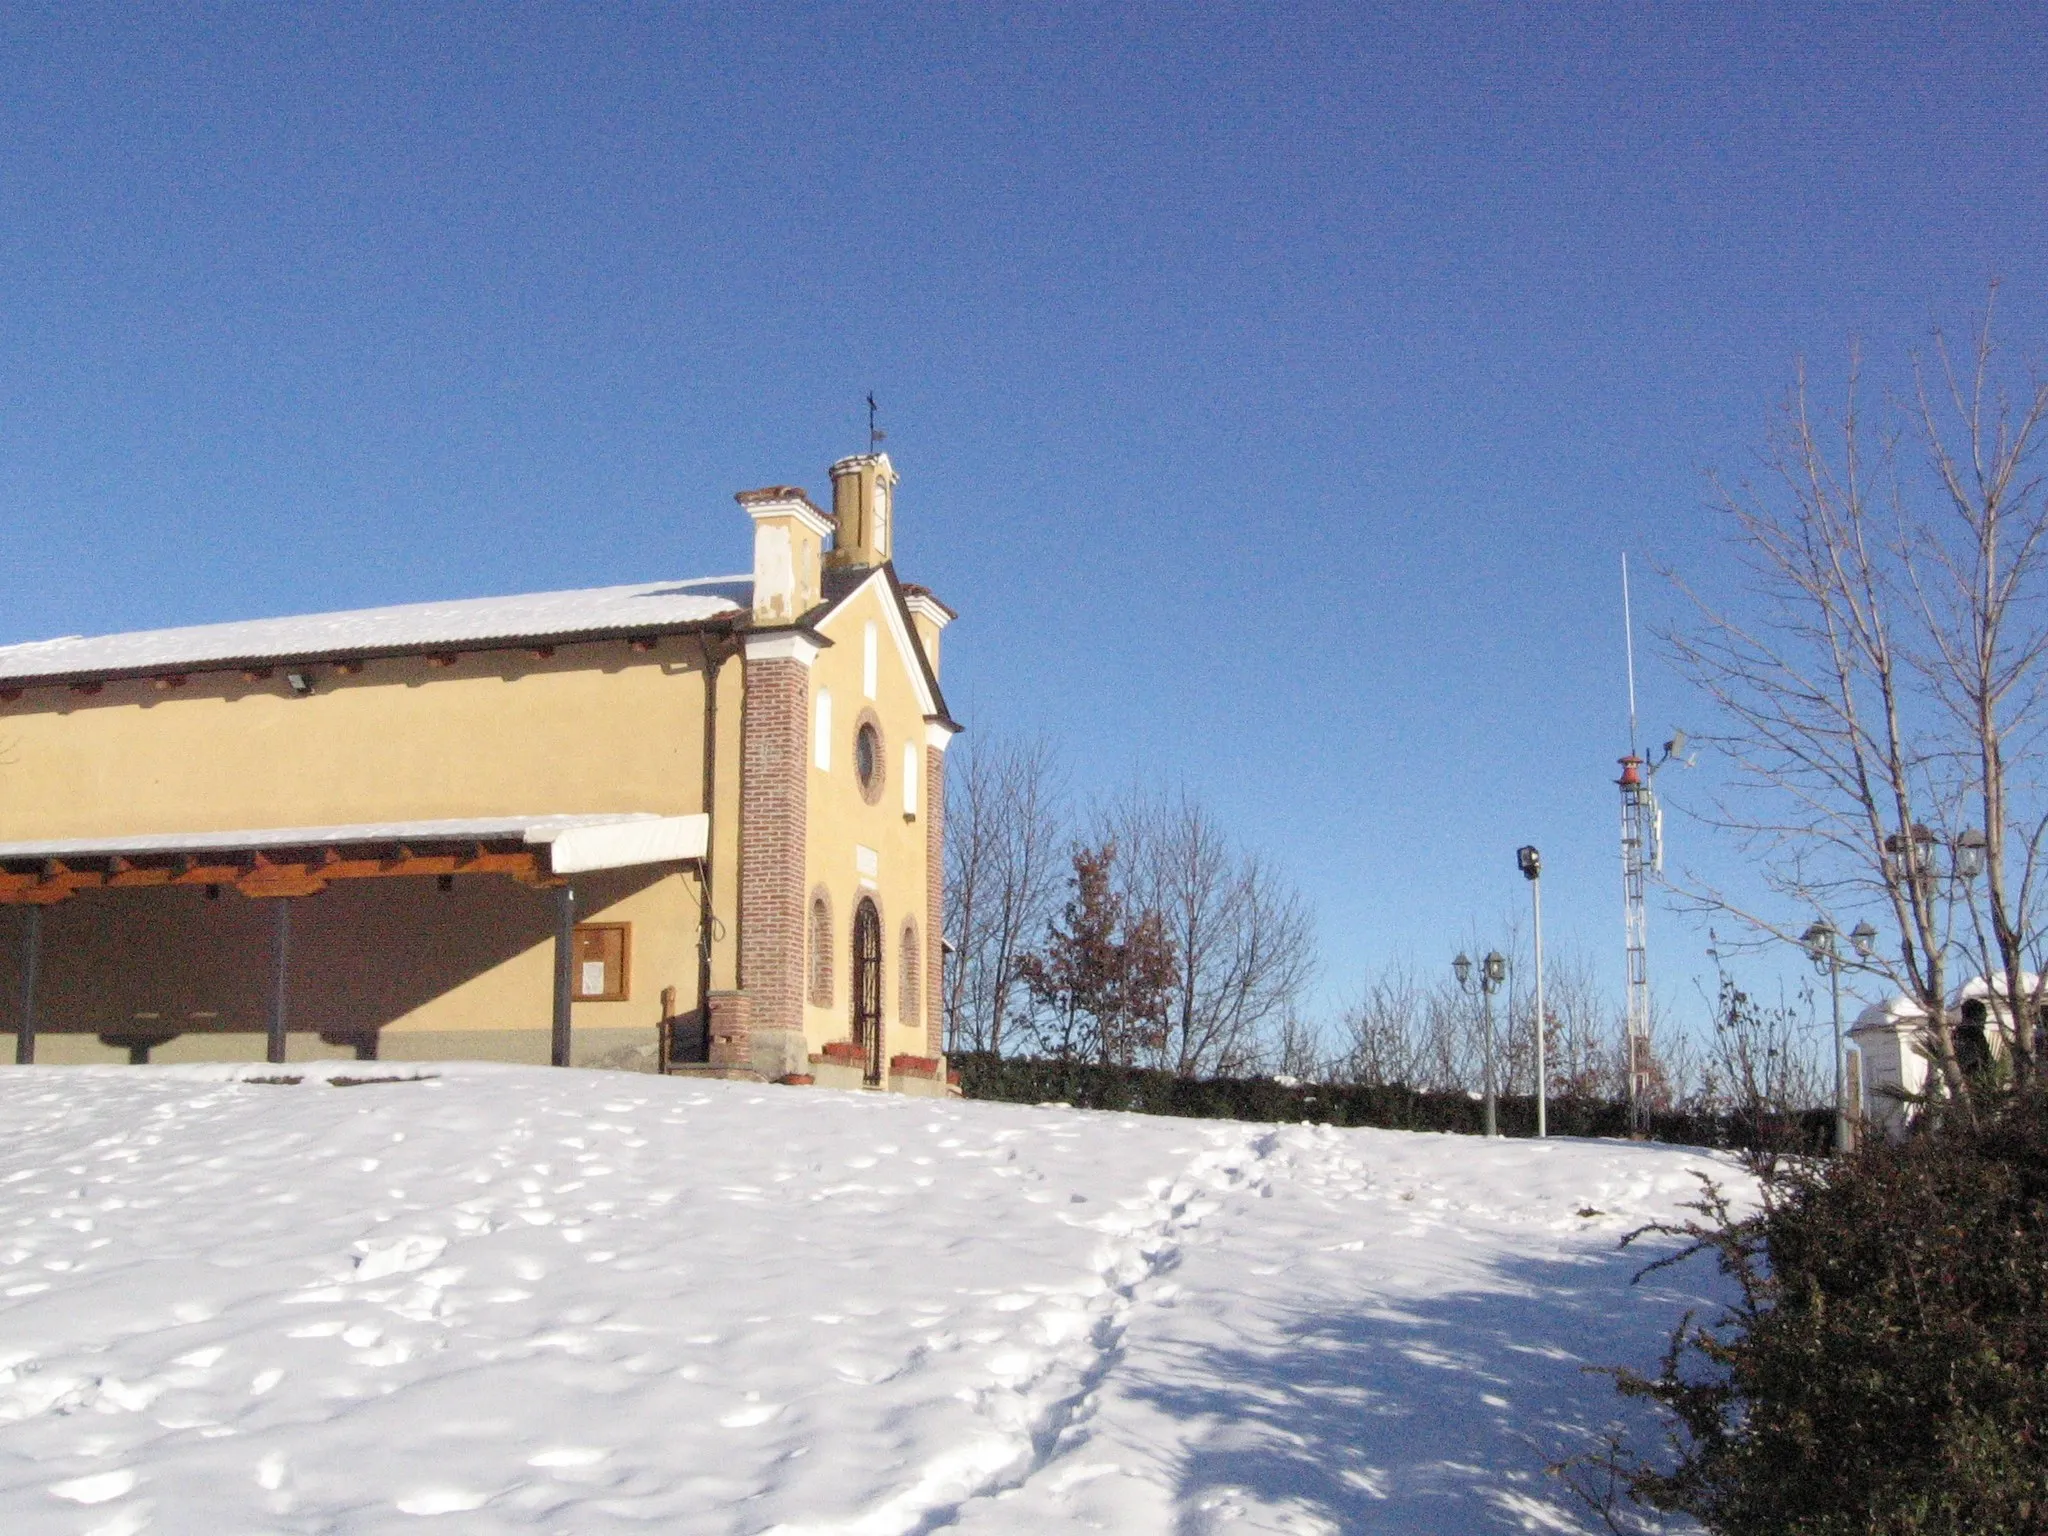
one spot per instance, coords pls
(897, 613)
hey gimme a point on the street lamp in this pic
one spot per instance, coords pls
(1822, 943)
(1910, 853)
(1530, 862)
(1493, 970)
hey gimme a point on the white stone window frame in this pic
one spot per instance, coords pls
(876, 784)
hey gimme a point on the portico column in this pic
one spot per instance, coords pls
(31, 961)
(565, 972)
(280, 975)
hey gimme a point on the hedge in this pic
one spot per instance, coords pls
(1883, 1369)
(1019, 1080)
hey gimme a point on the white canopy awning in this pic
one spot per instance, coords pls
(574, 843)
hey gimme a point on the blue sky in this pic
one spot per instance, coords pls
(1274, 387)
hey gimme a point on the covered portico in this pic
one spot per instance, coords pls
(340, 932)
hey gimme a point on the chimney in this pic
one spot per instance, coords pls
(863, 510)
(789, 539)
(928, 616)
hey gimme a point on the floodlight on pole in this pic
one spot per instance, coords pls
(1530, 861)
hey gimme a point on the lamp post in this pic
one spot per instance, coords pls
(1493, 970)
(1530, 862)
(1822, 944)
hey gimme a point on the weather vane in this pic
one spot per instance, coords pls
(875, 434)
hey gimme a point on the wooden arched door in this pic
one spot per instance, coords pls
(867, 986)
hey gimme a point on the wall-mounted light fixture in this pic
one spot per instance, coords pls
(301, 683)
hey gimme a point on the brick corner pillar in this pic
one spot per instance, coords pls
(774, 825)
(936, 736)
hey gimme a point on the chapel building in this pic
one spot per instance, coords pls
(691, 825)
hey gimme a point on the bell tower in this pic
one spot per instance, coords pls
(863, 510)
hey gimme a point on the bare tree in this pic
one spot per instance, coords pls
(1883, 692)
(1762, 1061)
(1380, 1039)
(1585, 1055)
(1297, 1049)
(1586, 1038)
(1007, 836)
(1242, 934)
(1399, 1030)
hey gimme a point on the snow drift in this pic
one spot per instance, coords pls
(487, 1299)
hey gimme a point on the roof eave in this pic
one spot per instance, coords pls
(331, 656)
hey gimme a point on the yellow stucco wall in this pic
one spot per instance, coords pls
(595, 727)
(842, 821)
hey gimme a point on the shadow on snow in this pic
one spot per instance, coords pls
(1437, 1415)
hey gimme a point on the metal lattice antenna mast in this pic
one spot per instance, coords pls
(1639, 855)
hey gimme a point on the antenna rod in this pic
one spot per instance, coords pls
(1628, 631)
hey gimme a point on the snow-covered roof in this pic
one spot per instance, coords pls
(575, 842)
(1895, 1012)
(539, 616)
(1993, 986)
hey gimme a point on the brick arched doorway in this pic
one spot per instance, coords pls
(867, 986)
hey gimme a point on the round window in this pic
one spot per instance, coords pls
(867, 760)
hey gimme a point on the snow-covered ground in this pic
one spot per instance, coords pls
(503, 1299)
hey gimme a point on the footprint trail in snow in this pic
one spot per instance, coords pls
(504, 1299)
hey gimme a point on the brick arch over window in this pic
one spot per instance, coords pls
(910, 974)
(820, 970)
